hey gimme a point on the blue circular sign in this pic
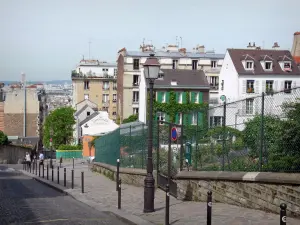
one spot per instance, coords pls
(174, 134)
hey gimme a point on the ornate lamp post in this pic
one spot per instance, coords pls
(151, 71)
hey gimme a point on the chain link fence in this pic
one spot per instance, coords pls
(259, 133)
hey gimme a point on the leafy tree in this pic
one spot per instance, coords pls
(61, 122)
(131, 118)
(3, 138)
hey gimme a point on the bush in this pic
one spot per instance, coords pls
(3, 138)
(70, 147)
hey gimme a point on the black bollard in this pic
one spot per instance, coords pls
(36, 167)
(209, 205)
(82, 183)
(43, 170)
(65, 177)
(58, 174)
(73, 162)
(30, 167)
(72, 179)
(118, 174)
(119, 194)
(283, 214)
(47, 171)
(52, 173)
(60, 161)
(39, 170)
(167, 215)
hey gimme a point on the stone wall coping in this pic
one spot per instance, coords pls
(258, 177)
(132, 171)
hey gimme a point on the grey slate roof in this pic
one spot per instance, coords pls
(237, 55)
(161, 54)
(186, 78)
(88, 118)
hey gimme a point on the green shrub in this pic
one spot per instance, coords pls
(70, 147)
(3, 138)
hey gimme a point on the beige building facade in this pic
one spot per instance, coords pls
(97, 82)
(130, 64)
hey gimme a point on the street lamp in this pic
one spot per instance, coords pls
(151, 71)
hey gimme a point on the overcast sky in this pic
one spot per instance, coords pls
(46, 38)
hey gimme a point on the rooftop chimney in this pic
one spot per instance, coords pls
(275, 46)
(199, 49)
(251, 46)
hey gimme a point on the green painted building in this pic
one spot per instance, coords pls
(178, 91)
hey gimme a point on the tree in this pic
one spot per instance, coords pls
(61, 122)
(3, 138)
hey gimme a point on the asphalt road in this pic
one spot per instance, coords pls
(26, 201)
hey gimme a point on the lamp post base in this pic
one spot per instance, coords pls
(149, 193)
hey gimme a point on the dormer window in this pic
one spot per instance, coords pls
(287, 66)
(249, 65)
(268, 65)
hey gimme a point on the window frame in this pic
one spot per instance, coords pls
(249, 109)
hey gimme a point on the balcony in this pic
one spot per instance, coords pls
(105, 88)
(214, 87)
(114, 100)
(135, 84)
(250, 90)
(135, 101)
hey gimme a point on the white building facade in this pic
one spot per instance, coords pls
(246, 74)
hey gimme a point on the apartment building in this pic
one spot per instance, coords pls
(24, 111)
(96, 81)
(246, 73)
(130, 64)
(296, 48)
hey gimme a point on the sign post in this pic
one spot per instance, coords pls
(174, 134)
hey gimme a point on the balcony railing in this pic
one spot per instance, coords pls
(214, 86)
(269, 91)
(114, 100)
(135, 101)
(105, 88)
(114, 88)
(135, 84)
(250, 90)
(75, 74)
(287, 90)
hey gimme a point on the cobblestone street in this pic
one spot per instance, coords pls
(100, 192)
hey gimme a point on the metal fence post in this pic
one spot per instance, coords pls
(209, 205)
(157, 149)
(43, 170)
(119, 193)
(47, 171)
(39, 170)
(52, 173)
(224, 136)
(262, 130)
(58, 174)
(72, 179)
(36, 167)
(181, 143)
(283, 214)
(167, 215)
(118, 174)
(82, 182)
(65, 177)
(30, 167)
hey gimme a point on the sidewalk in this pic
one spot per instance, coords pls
(100, 192)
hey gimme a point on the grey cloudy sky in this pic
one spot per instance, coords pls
(46, 38)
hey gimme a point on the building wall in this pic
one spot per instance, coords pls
(2, 116)
(95, 93)
(86, 151)
(14, 112)
(97, 70)
(296, 45)
(120, 88)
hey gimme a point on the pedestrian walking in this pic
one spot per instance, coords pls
(28, 160)
(41, 158)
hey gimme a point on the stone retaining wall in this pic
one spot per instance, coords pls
(264, 191)
(127, 175)
(12, 154)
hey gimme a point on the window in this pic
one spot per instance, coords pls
(213, 64)
(213, 101)
(287, 86)
(163, 97)
(215, 121)
(88, 113)
(180, 118)
(180, 97)
(249, 65)
(135, 111)
(250, 86)
(105, 70)
(194, 64)
(86, 85)
(136, 64)
(115, 85)
(214, 82)
(105, 98)
(114, 113)
(175, 64)
(86, 96)
(135, 98)
(135, 80)
(249, 106)
(196, 97)
(115, 72)
(161, 116)
(268, 65)
(105, 109)
(114, 97)
(269, 85)
(194, 118)
(287, 66)
(105, 85)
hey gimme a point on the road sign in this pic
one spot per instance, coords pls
(174, 134)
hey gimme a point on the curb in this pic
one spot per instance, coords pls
(121, 215)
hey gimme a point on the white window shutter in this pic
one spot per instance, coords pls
(256, 86)
(244, 86)
(264, 82)
(282, 86)
(275, 87)
(294, 84)
(257, 104)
